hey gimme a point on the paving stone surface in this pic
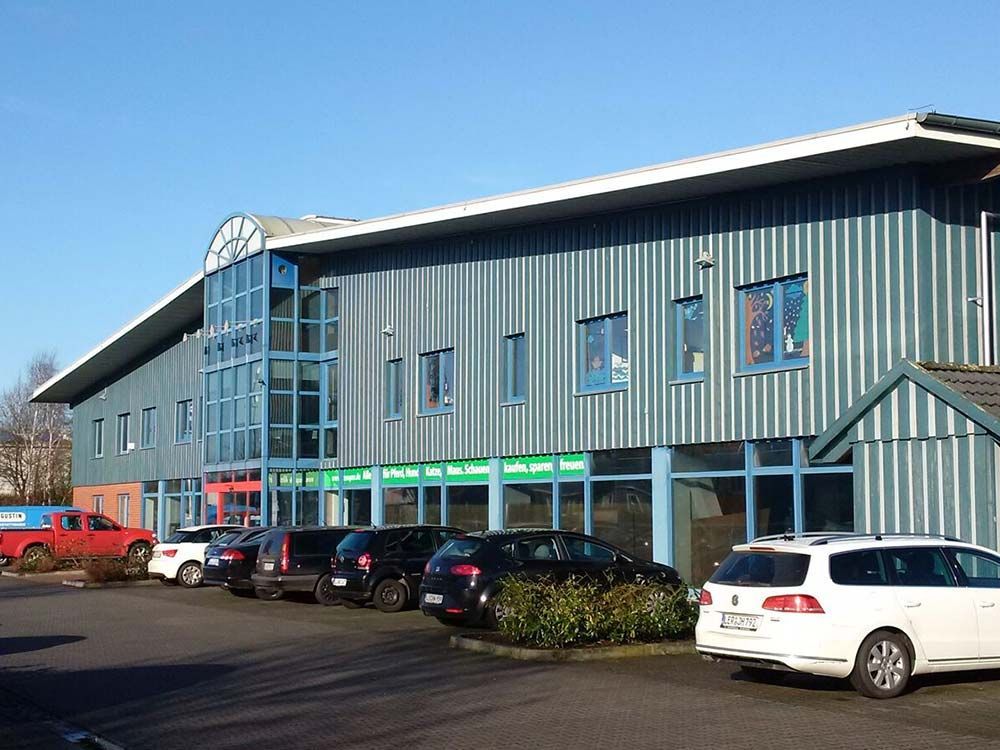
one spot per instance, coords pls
(165, 667)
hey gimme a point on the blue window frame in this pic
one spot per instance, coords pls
(183, 421)
(691, 338)
(98, 438)
(147, 428)
(513, 373)
(437, 382)
(394, 389)
(603, 353)
(774, 325)
(122, 434)
(331, 416)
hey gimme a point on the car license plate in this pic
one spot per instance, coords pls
(269, 566)
(433, 598)
(212, 561)
(741, 622)
(339, 581)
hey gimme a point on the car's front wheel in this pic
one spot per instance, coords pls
(190, 575)
(883, 665)
(325, 593)
(139, 554)
(390, 596)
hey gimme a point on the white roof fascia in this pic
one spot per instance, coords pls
(146, 315)
(801, 147)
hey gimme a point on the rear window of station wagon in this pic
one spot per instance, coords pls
(770, 569)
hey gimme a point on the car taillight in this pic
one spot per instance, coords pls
(364, 561)
(427, 567)
(705, 600)
(793, 603)
(285, 544)
(233, 554)
(169, 552)
(465, 570)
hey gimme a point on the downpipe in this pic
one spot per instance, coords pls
(986, 292)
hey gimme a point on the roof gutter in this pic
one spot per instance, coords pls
(954, 122)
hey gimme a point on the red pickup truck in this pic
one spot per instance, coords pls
(77, 534)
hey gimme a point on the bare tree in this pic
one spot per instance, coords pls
(35, 438)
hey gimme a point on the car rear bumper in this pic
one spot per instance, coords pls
(813, 656)
(224, 579)
(355, 585)
(284, 582)
(466, 604)
(163, 567)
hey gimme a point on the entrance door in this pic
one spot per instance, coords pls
(941, 612)
(982, 577)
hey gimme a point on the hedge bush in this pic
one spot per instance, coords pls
(556, 614)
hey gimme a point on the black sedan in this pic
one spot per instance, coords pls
(231, 560)
(461, 581)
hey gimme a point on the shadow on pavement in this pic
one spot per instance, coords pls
(24, 644)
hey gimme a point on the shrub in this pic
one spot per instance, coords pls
(43, 564)
(103, 570)
(579, 611)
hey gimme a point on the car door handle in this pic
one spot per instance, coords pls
(911, 604)
(987, 604)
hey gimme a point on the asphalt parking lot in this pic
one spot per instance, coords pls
(158, 667)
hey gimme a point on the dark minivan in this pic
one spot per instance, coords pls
(382, 565)
(461, 581)
(294, 559)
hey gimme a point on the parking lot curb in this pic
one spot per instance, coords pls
(106, 584)
(592, 653)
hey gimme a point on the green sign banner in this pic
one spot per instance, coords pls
(467, 472)
(541, 468)
(432, 472)
(403, 475)
(354, 477)
(571, 465)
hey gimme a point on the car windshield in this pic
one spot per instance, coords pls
(355, 542)
(771, 569)
(460, 547)
(179, 537)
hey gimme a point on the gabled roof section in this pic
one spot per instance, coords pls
(972, 390)
(916, 138)
(179, 308)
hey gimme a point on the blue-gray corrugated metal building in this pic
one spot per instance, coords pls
(673, 358)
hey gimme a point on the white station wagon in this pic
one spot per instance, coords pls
(876, 608)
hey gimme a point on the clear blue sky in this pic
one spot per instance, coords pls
(129, 130)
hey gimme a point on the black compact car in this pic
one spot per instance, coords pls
(382, 565)
(461, 581)
(294, 559)
(231, 559)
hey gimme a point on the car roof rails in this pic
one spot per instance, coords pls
(883, 536)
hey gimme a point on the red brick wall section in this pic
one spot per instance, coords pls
(83, 498)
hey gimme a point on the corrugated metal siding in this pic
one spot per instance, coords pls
(171, 376)
(937, 486)
(909, 412)
(889, 276)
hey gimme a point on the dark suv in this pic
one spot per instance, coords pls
(462, 579)
(382, 565)
(294, 559)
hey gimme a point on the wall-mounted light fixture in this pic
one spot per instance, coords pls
(704, 260)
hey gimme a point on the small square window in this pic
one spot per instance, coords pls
(513, 372)
(437, 382)
(774, 320)
(603, 352)
(691, 338)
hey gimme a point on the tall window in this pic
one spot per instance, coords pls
(98, 503)
(98, 438)
(147, 428)
(394, 389)
(123, 509)
(331, 330)
(691, 337)
(308, 417)
(513, 373)
(281, 396)
(775, 324)
(122, 439)
(183, 421)
(437, 381)
(331, 417)
(603, 353)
